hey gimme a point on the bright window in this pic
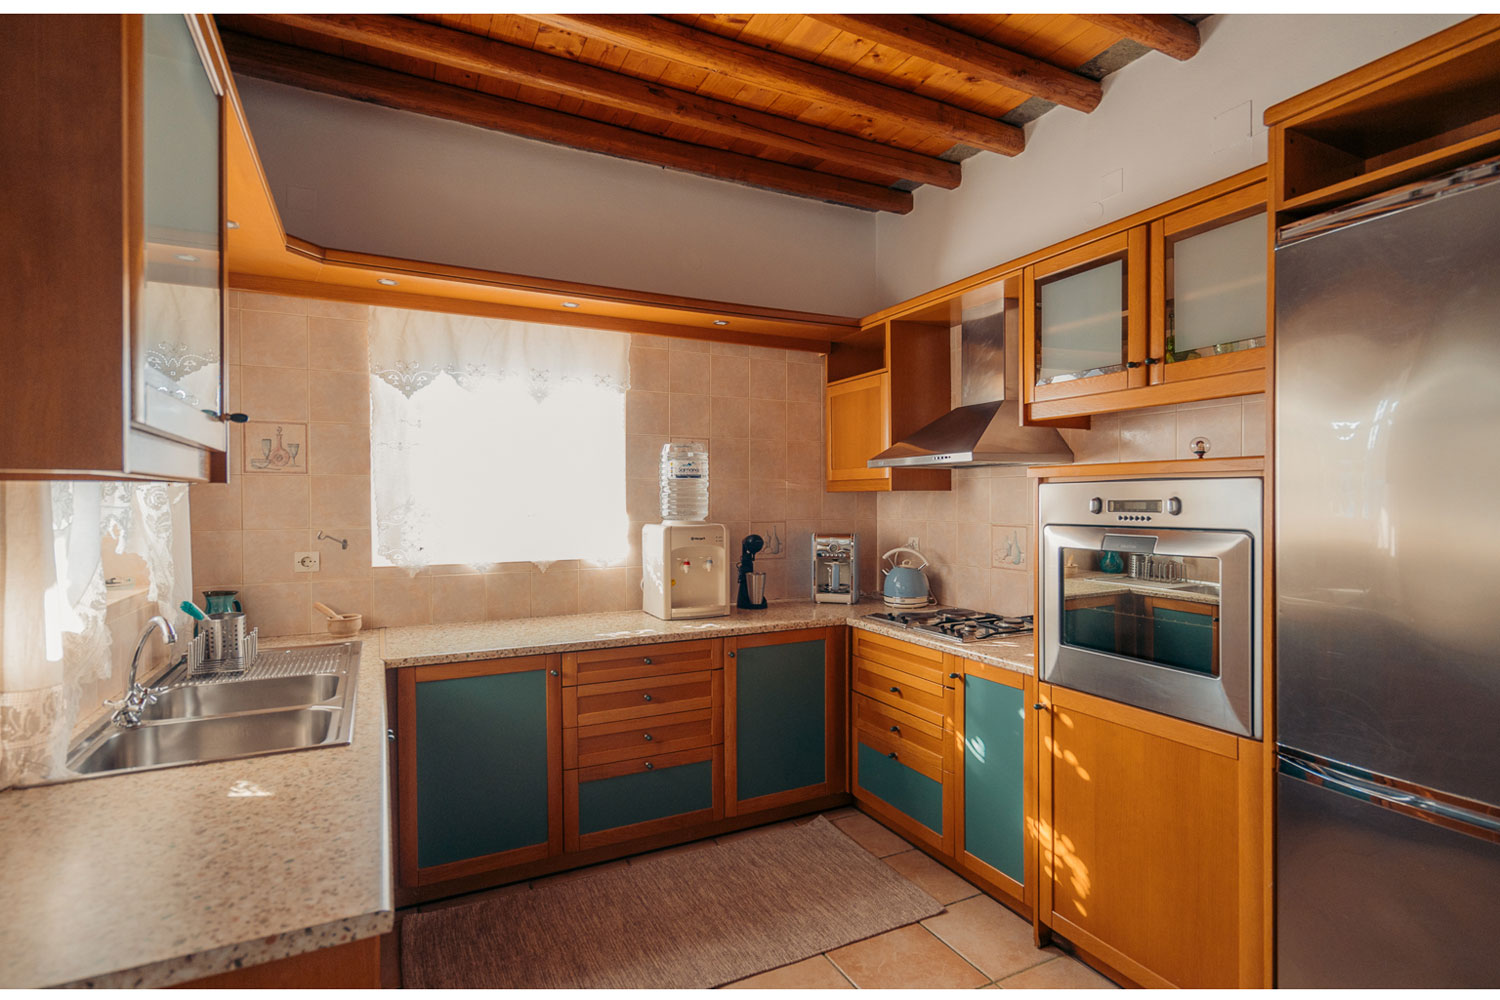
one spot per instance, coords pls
(494, 441)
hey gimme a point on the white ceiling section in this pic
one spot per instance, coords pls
(354, 176)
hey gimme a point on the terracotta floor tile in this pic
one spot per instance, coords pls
(870, 835)
(992, 939)
(931, 877)
(905, 958)
(588, 872)
(1061, 973)
(816, 973)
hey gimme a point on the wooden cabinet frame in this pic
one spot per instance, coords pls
(835, 685)
(407, 679)
(1129, 246)
(876, 389)
(577, 841)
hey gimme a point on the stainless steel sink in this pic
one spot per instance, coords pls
(232, 697)
(1207, 589)
(289, 699)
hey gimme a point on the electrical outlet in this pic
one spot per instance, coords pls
(305, 562)
(911, 543)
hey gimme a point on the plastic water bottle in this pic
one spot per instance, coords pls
(684, 481)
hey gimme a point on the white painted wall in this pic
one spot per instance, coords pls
(1164, 128)
(355, 176)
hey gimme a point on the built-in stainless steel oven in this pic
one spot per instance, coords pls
(1150, 595)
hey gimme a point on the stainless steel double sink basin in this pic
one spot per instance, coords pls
(289, 699)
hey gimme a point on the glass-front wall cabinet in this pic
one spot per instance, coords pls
(1210, 313)
(1083, 315)
(177, 344)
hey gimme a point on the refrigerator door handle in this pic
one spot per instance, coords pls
(1337, 779)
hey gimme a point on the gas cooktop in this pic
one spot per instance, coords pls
(957, 624)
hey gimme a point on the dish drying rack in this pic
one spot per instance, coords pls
(199, 666)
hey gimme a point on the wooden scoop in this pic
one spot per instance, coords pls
(332, 614)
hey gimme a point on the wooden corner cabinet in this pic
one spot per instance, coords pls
(112, 169)
(884, 383)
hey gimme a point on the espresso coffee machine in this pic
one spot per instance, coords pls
(835, 569)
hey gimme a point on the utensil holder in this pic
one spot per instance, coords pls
(226, 635)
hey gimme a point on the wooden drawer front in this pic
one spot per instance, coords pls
(596, 666)
(900, 728)
(637, 798)
(919, 661)
(926, 699)
(590, 704)
(902, 781)
(612, 741)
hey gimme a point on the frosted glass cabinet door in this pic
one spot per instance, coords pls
(1209, 304)
(1083, 316)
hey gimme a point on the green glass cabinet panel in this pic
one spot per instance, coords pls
(608, 803)
(1183, 639)
(898, 786)
(779, 718)
(994, 748)
(1091, 628)
(481, 765)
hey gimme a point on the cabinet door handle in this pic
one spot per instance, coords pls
(954, 677)
(895, 689)
(896, 730)
(647, 697)
(731, 654)
(892, 755)
(552, 673)
(1153, 361)
(1132, 364)
(650, 766)
(390, 734)
(1039, 707)
(648, 661)
(648, 737)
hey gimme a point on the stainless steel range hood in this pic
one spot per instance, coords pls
(987, 428)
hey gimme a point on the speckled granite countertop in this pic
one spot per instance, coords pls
(422, 644)
(160, 877)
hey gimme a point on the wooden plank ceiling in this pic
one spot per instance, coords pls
(854, 109)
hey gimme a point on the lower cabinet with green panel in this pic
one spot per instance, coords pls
(901, 785)
(479, 770)
(628, 799)
(993, 724)
(784, 718)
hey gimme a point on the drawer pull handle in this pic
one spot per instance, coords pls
(648, 737)
(647, 697)
(896, 730)
(552, 673)
(892, 755)
(649, 765)
(648, 661)
(953, 677)
(895, 689)
(731, 654)
(1039, 707)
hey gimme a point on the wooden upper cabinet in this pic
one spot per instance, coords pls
(1170, 307)
(113, 173)
(891, 379)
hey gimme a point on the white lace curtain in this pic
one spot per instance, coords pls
(494, 441)
(53, 639)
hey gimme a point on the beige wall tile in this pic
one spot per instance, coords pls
(1147, 437)
(554, 592)
(729, 350)
(804, 500)
(338, 310)
(1010, 500)
(643, 496)
(768, 353)
(804, 460)
(806, 419)
(768, 461)
(688, 416)
(339, 500)
(337, 562)
(650, 370)
(273, 339)
(1011, 593)
(609, 589)
(458, 599)
(729, 417)
(273, 393)
(233, 322)
(343, 397)
(650, 340)
(728, 499)
(767, 379)
(646, 412)
(268, 303)
(278, 609)
(971, 496)
(507, 595)
(730, 376)
(341, 345)
(1223, 426)
(218, 558)
(215, 505)
(689, 372)
(275, 501)
(729, 458)
(1254, 442)
(399, 601)
(767, 500)
(269, 555)
(687, 345)
(768, 420)
(338, 449)
(804, 383)
(971, 543)
(1010, 547)
(344, 596)
(643, 455)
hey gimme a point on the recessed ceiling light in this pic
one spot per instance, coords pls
(231, 224)
(187, 257)
(570, 305)
(387, 281)
(721, 322)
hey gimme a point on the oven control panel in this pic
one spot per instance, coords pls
(1154, 504)
(1136, 510)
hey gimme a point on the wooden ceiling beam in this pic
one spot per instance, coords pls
(975, 58)
(309, 70)
(1163, 32)
(515, 64)
(705, 50)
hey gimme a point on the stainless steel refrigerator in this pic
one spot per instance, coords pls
(1388, 590)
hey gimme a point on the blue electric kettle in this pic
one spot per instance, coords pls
(905, 583)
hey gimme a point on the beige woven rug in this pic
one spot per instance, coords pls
(693, 919)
